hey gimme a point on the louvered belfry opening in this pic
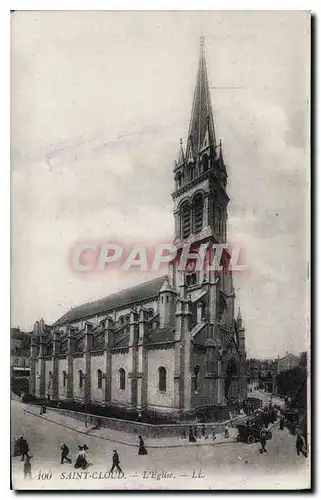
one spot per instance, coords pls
(186, 220)
(198, 213)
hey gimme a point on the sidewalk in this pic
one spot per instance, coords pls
(125, 438)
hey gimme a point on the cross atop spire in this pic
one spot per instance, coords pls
(201, 122)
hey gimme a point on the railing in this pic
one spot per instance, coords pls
(149, 430)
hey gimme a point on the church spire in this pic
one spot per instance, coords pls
(201, 129)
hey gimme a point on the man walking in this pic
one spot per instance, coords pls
(263, 436)
(300, 444)
(24, 448)
(281, 424)
(64, 454)
(116, 462)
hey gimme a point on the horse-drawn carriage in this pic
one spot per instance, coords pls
(250, 433)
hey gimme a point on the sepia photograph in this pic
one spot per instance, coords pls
(160, 250)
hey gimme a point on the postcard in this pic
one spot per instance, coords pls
(160, 308)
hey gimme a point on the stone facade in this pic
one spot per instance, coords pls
(172, 344)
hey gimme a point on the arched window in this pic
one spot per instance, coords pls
(150, 313)
(191, 279)
(64, 378)
(186, 219)
(162, 379)
(122, 381)
(195, 378)
(81, 378)
(198, 213)
(205, 162)
(99, 379)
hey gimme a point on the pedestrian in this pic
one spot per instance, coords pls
(281, 424)
(191, 437)
(115, 462)
(17, 447)
(226, 432)
(184, 434)
(263, 436)
(24, 449)
(81, 461)
(213, 433)
(141, 450)
(196, 434)
(27, 468)
(64, 454)
(203, 431)
(300, 444)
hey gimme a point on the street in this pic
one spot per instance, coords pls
(227, 466)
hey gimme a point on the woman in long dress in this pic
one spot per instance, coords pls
(141, 450)
(81, 461)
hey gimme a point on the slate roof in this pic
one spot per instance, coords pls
(122, 341)
(119, 299)
(161, 335)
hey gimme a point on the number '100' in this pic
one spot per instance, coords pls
(44, 475)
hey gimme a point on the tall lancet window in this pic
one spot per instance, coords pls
(162, 379)
(205, 163)
(186, 219)
(122, 379)
(99, 379)
(198, 213)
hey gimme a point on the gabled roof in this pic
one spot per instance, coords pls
(125, 297)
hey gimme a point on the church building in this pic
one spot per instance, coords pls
(172, 344)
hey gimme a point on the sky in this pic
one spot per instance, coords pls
(99, 102)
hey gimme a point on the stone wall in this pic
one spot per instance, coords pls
(146, 430)
(120, 396)
(163, 401)
(98, 362)
(62, 389)
(78, 364)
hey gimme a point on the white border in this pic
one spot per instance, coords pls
(5, 6)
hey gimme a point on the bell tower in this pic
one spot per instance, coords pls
(200, 197)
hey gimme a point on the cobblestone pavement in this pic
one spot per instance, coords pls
(230, 465)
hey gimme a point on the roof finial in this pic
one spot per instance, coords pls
(181, 156)
(221, 154)
(202, 41)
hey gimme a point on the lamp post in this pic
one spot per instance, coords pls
(86, 407)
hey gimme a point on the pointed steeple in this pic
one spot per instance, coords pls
(181, 156)
(239, 320)
(201, 128)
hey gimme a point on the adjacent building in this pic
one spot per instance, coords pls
(20, 359)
